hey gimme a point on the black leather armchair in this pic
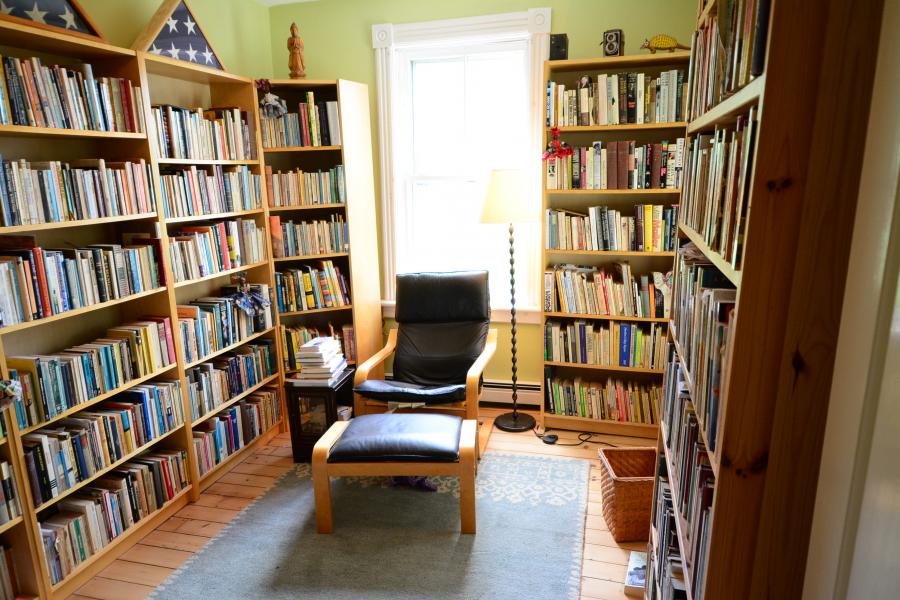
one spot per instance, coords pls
(441, 345)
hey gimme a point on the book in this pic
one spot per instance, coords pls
(308, 238)
(618, 165)
(60, 97)
(203, 134)
(636, 574)
(194, 191)
(616, 99)
(81, 525)
(299, 188)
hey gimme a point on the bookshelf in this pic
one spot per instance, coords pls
(576, 199)
(354, 154)
(757, 295)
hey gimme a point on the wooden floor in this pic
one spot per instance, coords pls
(160, 552)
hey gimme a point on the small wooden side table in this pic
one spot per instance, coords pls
(313, 409)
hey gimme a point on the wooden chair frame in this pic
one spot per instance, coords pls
(465, 468)
(468, 409)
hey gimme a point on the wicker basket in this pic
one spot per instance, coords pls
(626, 482)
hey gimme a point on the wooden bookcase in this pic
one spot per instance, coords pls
(568, 72)
(361, 268)
(802, 194)
(164, 80)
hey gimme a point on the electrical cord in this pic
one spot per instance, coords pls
(583, 438)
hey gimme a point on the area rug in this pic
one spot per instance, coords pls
(400, 543)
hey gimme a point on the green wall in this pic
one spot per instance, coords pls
(338, 39)
(237, 29)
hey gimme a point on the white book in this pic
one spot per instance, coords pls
(602, 103)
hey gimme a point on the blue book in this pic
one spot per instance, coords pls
(624, 345)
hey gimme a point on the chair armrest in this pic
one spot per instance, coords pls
(362, 371)
(323, 446)
(473, 376)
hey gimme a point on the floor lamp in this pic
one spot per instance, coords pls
(507, 202)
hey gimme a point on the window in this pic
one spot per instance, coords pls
(461, 105)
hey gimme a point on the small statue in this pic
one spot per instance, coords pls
(295, 60)
(662, 42)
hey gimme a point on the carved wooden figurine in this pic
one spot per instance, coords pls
(295, 60)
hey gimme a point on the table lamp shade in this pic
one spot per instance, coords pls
(507, 199)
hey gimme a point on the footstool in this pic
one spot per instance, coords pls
(393, 445)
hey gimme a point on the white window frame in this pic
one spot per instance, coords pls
(391, 42)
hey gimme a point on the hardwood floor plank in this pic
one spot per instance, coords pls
(207, 513)
(239, 491)
(207, 499)
(599, 537)
(199, 527)
(268, 459)
(154, 555)
(132, 572)
(261, 481)
(618, 556)
(603, 570)
(256, 469)
(596, 521)
(174, 540)
(102, 588)
(232, 503)
(602, 589)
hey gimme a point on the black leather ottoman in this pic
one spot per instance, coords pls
(397, 444)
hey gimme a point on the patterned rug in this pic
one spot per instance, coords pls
(399, 543)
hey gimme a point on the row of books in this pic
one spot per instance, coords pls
(219, 437)
(617, 99)
(610, 400)
(212, 384)
(309, 237)
(10, 501)
(192, 192)
(693, 475)
(623, 165)
(212, 323)
(311, 288)
(203, 134)
(728, 52)
(55, 383)
(36, 283)
(653, 228)
(306, 188)
(9, 584)
(32, 193)
(717, 186)
(704, 311)
(665, 577)
(292, 338)
(77, 448)
(317, 123)
(94, 516)
(208, 249)
(592, 291)
(613, 344)
(39, 95)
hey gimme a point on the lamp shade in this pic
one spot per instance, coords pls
(507, 199)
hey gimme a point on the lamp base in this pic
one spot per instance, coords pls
(514, 422)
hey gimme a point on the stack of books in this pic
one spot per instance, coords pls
(310, 289)
(208, 249)
(297, 188)
(212, 384)
(610, 400)
(198, 134)
(623, 165)
(653, 228)
(618, 345)
(309, 237)
(294, 337)
(592, 291)
(321, 363)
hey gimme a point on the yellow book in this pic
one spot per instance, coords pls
(648, 228)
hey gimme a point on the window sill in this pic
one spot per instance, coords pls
(530, 315)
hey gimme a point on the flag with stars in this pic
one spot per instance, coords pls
(181, 38)
(56, 13)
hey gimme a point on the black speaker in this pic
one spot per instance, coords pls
(559, 46)
(613, 43)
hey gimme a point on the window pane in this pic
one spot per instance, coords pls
(438, 118)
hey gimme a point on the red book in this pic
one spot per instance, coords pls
(277, 236)
(125, 92)
(622, 165)
(612, 168)
(655, 162)
(223, 244)
(304, 124)
(165, 333)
